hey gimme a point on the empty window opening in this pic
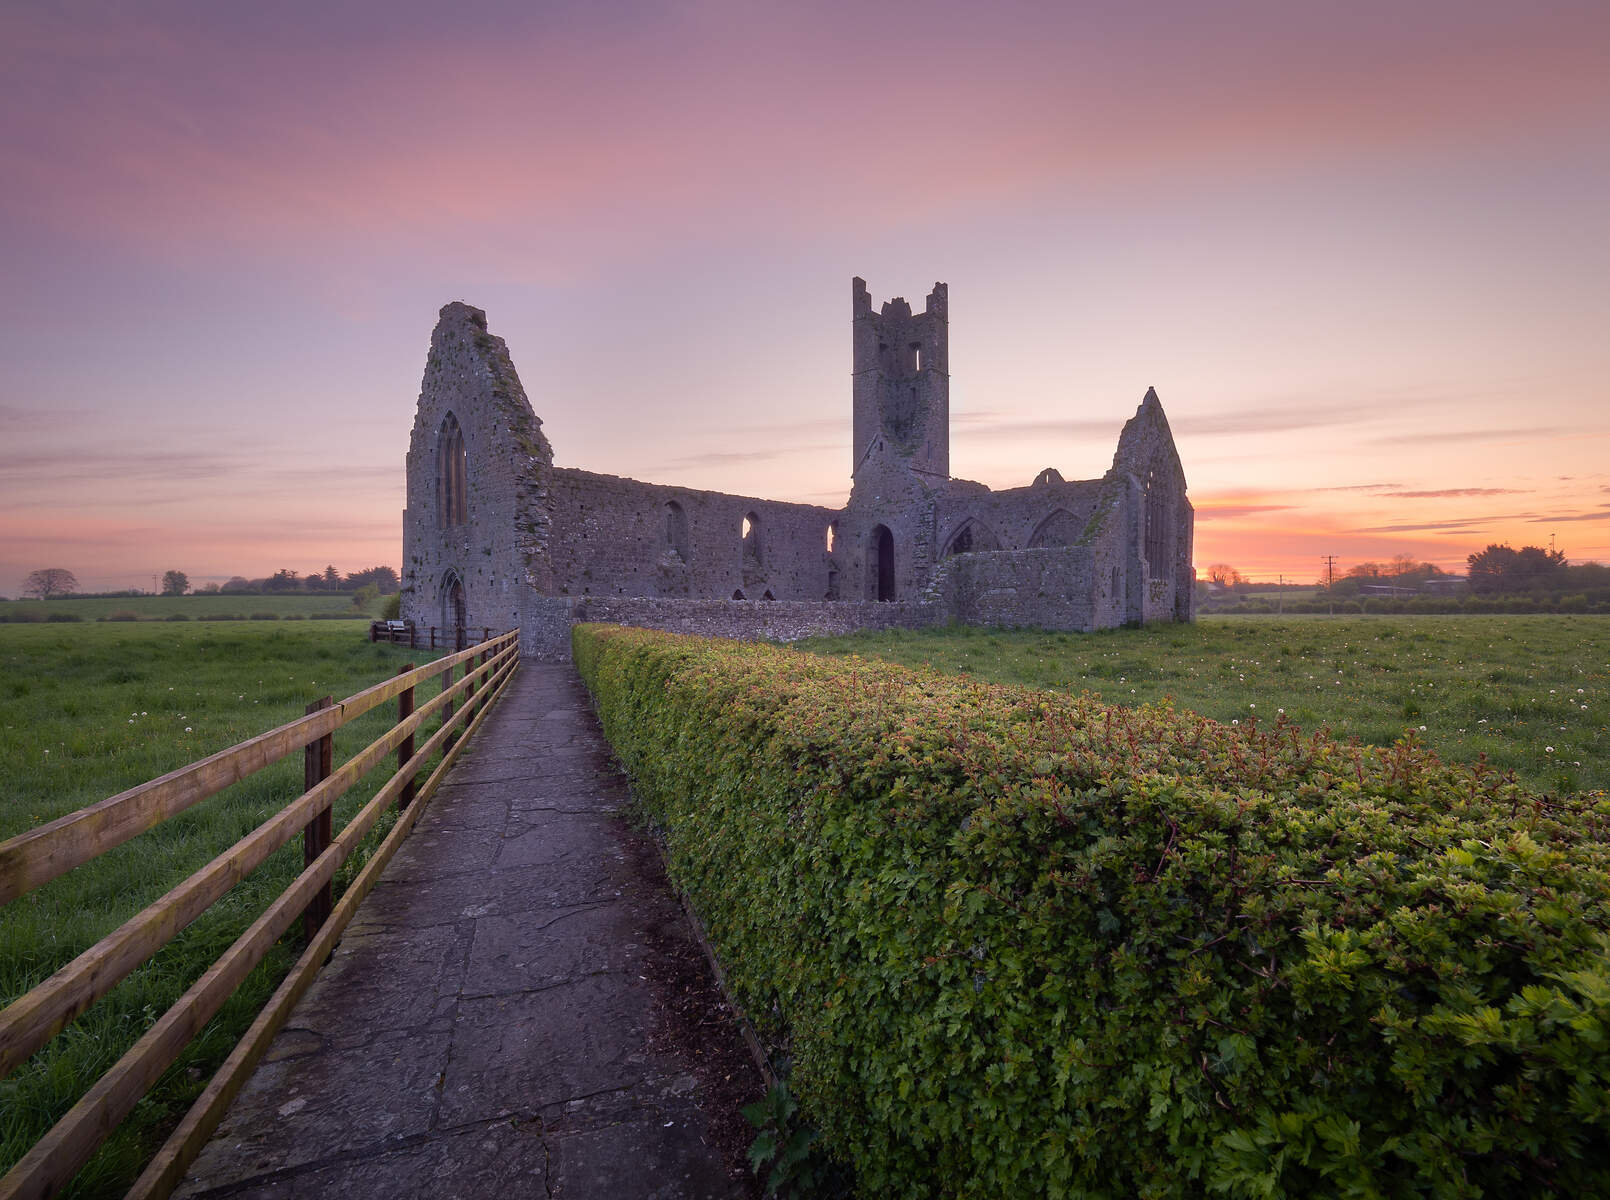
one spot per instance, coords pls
(882, 564)
(452, 467)
(1156, 529)
(676, 530)
(916, 356)
(1113, 591)
(832, 535)
(832, 585)
(751, 539)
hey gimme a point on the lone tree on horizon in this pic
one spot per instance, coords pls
(175, 583)
(50, 582)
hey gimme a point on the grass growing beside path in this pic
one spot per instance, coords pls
(1532, 693)
(89, 710)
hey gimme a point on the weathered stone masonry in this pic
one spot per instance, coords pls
(494, 534)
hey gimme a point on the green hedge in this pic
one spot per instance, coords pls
(1022, 944)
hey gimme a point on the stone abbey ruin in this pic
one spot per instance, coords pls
(495, 535)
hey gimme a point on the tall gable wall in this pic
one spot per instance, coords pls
(497, 545)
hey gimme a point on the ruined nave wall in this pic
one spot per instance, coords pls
(620, 537)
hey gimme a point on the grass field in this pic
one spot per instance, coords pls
(1531, 693)
(160, 608)
(88, 710)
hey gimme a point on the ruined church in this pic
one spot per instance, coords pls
(495, 535)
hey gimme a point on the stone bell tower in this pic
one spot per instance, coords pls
(902, 383)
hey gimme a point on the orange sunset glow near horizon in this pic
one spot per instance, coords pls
(1362, 252)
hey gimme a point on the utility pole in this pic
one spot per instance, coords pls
(1280, 597)
(1330, 582)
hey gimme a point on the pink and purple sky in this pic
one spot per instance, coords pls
(1361, 250)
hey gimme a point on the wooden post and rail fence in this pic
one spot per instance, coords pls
(33, 859)
(425, 637)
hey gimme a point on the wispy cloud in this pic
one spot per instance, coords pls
(722, 458)
(1445, 493)
(1442, 437)
(1280, 418)
(57, 467)
(1465, 525)
(16, 421)
(1602, 514)
(1225, 512)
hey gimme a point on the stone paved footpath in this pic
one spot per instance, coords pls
(489, 1025)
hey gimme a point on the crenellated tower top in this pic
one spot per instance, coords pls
(902, 380)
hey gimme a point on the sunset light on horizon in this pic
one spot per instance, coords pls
(1361, 252)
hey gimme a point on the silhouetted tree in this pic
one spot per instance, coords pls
(332, 578)
(384, 579)
(283, 580)
(175, 583)
(49, 582)
(1505, 569)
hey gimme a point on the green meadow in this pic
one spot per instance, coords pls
(87, 710)
(1530, 694)
(278, 606)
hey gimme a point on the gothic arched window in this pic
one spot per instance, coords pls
(451, 468)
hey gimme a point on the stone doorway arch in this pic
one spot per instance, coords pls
(453, 608)
(880, 581)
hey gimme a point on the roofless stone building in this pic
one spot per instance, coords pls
(495, 535)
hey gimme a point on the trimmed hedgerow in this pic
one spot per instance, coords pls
(1023, 944)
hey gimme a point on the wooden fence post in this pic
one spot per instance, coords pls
(447, 710)
(317, 761)
(405, 748)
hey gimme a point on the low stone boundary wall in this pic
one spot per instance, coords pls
(545, 628)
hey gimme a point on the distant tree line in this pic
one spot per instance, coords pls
(53, 583)
(1501, 579)
(383, 579)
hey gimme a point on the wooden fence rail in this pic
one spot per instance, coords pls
(34, 858)
(421, 637)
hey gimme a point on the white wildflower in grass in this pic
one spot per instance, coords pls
(1422, 729)
(1548, 749)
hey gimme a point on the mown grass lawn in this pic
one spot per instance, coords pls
(87, 710)
(1531, 693)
